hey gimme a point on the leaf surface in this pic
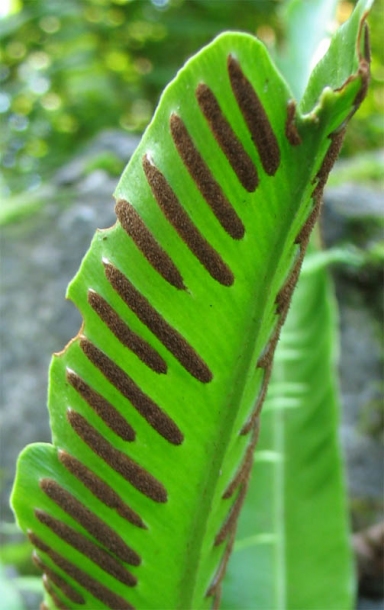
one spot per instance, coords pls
(294, 520)
(152, 405)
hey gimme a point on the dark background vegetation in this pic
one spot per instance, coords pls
(71, 69)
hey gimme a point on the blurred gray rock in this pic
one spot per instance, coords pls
(355, 201)
(370, 604)
(109, 141)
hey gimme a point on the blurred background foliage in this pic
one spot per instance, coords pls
(71, 69)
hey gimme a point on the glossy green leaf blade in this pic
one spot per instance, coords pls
(336, 65)
(295, 519)
(135, 503)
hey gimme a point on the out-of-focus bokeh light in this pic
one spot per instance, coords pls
(9, 7)
(344, 11)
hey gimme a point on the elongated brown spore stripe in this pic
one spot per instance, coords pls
(228, 141)
(254, 420)
(58, 581)
(118, 461)
(151, 412)
(102, 407)
(265, 362)
(169, 336)
(266, 357)
(88, 548)
(284, 295)
(205, 182)
(244, 470)
(59, 604)
(291, 131)
(214, 589)
(144, 240)
(217, 596)
(102, 593)
(328, 162)
(125, 335)
(304, 234)
(188, 232)
(255, 116)
(100, 489)
(88, 520)
(230, 522)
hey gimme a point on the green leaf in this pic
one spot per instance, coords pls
(152, 405)
(307, 28)
(337, 65)
(294, 520)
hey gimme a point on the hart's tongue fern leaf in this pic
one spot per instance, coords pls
(155, 404)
